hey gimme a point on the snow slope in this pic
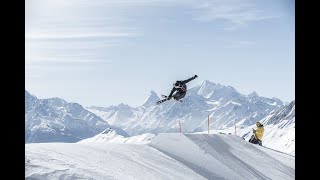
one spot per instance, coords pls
(101, 161)
(110, 135)
(168, 156)
(224, 156)
(279, 129)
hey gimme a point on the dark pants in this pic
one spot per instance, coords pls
(255, 140)
(179, 95)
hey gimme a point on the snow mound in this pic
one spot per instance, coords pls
(101, 161)
(167, 156)
(110, 135)
(218, 156)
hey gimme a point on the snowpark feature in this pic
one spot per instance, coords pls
(167, 156)
(112, 136)
(218, 156)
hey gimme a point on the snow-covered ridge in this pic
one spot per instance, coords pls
(110, 135)
(224, 104)
(283, 117)
(55, 120)
(150, 101)
(279, 129)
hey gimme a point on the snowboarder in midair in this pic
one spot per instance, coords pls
(178, 91)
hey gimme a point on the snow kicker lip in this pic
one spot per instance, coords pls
(218, 156)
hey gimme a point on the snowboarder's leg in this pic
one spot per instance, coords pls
(176, 95)
(179, 95)
(251, 139)
(255, 140)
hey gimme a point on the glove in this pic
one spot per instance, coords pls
(169, 97)
(254, 131)
(195, 76)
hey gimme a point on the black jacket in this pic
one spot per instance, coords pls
(182, 86)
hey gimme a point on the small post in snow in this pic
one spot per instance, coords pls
(180, 126)
(235, 129)
(208, 124)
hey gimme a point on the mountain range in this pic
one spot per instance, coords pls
(55, 120)
(224, 105)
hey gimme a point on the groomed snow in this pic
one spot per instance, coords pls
(113, 137)
(218, 156)
(282, 140)
(168, 156)
(101, 161)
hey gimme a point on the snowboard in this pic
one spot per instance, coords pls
(165, 99)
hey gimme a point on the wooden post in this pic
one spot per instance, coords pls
(208, 124)
(235, 129)
(180, 126)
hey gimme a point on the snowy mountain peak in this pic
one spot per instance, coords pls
(150, 101)
(27, 95)
(283, 117)
(207, 83)
(152, 94)
(55, 120)
(212, 90)
(206, 88)
(253, 94)
(123, 106)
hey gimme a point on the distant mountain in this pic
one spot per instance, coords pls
(55, 120)
(283, 117)
(224, 105)
(152, 98)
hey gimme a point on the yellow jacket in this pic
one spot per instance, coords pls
(259, 132)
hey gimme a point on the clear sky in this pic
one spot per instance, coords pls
(101, 53)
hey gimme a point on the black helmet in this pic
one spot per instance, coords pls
(177, 83)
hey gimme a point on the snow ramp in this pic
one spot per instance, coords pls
(219, 156)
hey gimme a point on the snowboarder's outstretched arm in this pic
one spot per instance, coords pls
(188, 80)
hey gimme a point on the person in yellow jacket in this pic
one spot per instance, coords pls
(256, 138)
